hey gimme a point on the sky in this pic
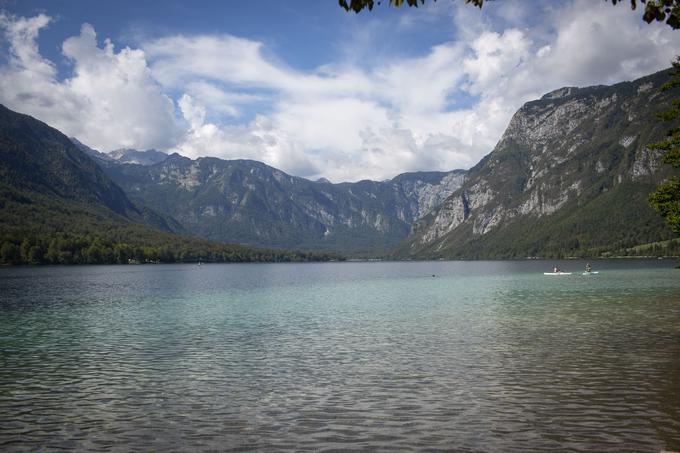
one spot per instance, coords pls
(305, 86)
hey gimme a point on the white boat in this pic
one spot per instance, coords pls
(556, 273)
(591, 272)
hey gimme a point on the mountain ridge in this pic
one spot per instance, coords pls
(253, 203)
(559, 156)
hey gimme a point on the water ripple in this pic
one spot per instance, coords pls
(332, 357)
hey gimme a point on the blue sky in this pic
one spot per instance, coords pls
(305, 86)
(303, 34)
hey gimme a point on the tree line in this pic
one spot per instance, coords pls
(63, 248)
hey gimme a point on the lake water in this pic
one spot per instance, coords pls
(485, 356)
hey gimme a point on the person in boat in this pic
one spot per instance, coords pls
(589, 268)
(556, 270)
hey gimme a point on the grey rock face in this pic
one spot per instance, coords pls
(560, 152)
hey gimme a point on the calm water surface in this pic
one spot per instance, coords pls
(486, 356)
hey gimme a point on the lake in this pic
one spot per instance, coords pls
(482, 356)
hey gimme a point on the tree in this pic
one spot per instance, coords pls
(359, 5)
(9, 253)
(35, 255)
(655, 10)
(666, 198)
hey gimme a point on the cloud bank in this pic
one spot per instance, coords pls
(229, 97)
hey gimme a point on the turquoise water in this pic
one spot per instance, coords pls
(485, 356)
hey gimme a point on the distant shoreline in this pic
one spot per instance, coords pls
(357, 260)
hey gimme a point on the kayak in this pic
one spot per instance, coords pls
(591, 273)
(556, 273)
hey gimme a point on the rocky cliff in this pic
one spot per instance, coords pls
(570, 176)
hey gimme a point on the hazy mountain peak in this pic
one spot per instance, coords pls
(133, 156)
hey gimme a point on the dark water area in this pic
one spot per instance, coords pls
(484, 356)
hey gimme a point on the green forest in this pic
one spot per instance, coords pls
(41, 229)
(62, 248)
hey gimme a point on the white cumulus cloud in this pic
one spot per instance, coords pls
(110, 101)
(232, 97)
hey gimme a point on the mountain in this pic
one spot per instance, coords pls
(252, 203)
(38, 159)
(570, 176)
(58, 206)
(122, 155)
(132, 156)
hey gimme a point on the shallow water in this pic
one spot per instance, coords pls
(486, 356)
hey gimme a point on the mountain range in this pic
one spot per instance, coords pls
(570, 177)
(252, 203)
(58, 206)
